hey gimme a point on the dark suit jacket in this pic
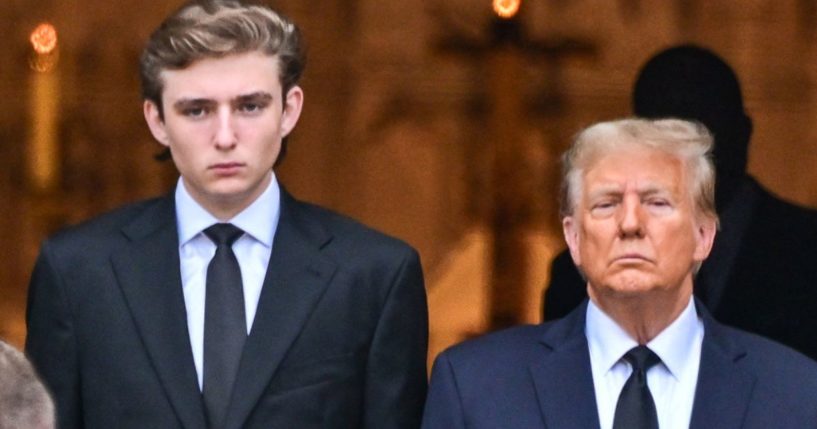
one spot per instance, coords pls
(540, 377)
(769, 287)
(339, 339)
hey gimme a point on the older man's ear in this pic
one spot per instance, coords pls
(570, 229)
(706, 230)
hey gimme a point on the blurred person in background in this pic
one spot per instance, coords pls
(24, 401)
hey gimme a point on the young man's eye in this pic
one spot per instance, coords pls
(194, 112)
(250, 107)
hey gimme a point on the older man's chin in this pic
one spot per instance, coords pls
(634, 289)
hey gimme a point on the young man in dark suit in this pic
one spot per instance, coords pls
(227, 303)
(638, 215)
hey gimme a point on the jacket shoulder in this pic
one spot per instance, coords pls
(500, 348)
(349, 233)
(104, 227)
(773, 363)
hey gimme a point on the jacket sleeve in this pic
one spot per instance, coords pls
(396, 377)
(51, 341)
(443, 406)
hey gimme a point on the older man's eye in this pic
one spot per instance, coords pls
(603, 208)
(659, 205)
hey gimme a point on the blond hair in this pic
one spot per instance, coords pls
(689, 141)
(215, 29)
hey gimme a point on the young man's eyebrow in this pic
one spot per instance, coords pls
(189, 102)
(256, 97)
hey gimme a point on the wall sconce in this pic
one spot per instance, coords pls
(506, 9)
(44, 43)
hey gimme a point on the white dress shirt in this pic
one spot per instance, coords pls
(253, 249)
(672, 382)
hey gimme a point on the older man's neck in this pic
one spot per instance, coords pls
(645, 315)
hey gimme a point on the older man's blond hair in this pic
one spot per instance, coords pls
(688, 141)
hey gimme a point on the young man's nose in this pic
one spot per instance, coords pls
(225, 133)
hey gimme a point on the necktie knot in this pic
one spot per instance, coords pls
(223, 234)
(641, 358)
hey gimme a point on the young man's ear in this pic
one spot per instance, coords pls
(155, 122)
(293, 102)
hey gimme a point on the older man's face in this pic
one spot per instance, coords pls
(634, 229)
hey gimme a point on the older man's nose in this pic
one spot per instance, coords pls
(631, 218)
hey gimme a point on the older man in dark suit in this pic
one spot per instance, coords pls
(761, 275)
(228, 303)
(639, 218)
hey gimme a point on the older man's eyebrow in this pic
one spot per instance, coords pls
(652, 189)
(605, 190)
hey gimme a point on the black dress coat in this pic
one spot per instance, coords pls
(339, 338)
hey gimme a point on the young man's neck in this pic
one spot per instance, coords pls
(226, 207)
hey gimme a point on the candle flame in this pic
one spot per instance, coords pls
(506, 9)
(44, 38)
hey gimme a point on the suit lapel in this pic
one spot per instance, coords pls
(148, 273)
(296, 278)
(724, 389)
(563, 378)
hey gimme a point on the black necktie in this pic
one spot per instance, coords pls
(225, 326)
(635, 408)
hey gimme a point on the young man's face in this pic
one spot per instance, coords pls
(224, 119)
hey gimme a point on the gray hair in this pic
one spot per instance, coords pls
(689, 141)
(24, 401)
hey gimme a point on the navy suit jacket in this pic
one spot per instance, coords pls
(540, 377)
(339, 338)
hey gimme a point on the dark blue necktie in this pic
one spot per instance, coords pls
(635, 408)
(225, 326)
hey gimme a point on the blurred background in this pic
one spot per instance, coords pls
(440, 122)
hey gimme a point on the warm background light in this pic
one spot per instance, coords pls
(506, 9)
(44, 38)
(43, 149)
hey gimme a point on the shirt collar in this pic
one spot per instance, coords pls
(608, 342)
(192, 218)
(673, 344)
